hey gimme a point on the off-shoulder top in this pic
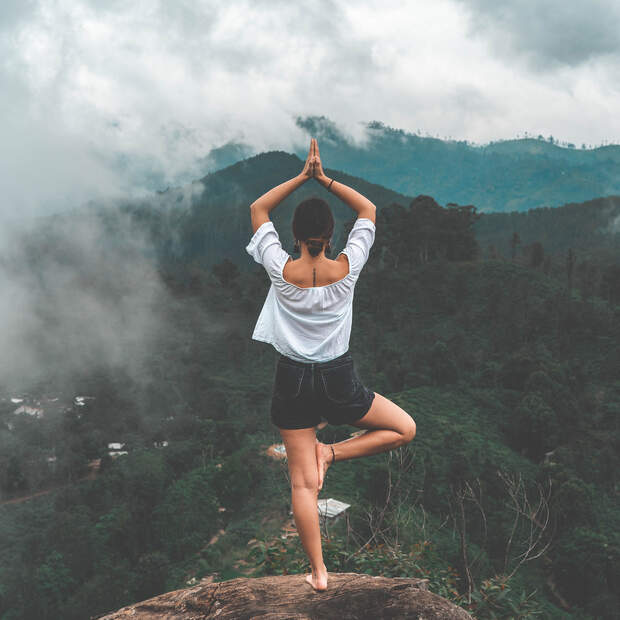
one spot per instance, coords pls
(310, 324)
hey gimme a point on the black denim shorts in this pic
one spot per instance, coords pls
(305, 394)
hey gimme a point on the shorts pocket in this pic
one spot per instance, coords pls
(341, 383)
(288, 380)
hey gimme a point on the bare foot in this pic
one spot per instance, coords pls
(318, 579)
(323, 460)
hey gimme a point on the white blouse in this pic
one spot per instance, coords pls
(310, 324)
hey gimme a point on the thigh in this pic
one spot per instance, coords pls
(385, 414)
(301, 456)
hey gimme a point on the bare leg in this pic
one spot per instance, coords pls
(391, 427)
(302, 465)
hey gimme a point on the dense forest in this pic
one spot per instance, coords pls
(507, 357)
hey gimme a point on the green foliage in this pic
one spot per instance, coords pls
(53, 581)
(583, 555)
(496, 600)
(188, 516)
(149, 578)
(238, 475)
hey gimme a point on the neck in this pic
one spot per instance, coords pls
(305, 254)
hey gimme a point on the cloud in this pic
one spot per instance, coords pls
(77, 293)
(110, 99)
(551, 33)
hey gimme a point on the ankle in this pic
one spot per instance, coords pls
(329, 452)
(319, 569)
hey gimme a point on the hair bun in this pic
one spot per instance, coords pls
(314, 246)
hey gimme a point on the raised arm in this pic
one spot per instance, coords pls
(348, 195)
(261, 207)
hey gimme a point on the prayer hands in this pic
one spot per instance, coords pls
(313, 167)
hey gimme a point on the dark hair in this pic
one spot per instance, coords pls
(313, 218)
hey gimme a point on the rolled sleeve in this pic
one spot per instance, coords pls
(359, 242)
(265, 248)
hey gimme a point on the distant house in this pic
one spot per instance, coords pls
(37, 412)
(116, 449)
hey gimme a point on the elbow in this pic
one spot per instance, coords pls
(369, 211)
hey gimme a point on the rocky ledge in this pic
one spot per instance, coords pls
(349, 596)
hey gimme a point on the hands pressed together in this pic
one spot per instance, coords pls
(313, 169)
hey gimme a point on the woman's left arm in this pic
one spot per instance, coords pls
(261, 207)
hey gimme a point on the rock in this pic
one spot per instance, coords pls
(348, 596)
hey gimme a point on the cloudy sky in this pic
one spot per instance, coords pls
(104, 98)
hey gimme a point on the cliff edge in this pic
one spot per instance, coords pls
(349, 596)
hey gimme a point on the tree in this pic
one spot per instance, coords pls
(515, 240)
(570, 265)
(537, 254)
(54, 583)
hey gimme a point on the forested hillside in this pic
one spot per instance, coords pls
(508, 175)
(506, 500)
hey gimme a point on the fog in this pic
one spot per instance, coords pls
(71, 300)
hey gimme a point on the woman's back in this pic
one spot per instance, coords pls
(317, 273)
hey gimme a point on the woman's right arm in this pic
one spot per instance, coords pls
(348, 195)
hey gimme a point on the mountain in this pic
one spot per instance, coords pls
(216, 223)
(510, 175)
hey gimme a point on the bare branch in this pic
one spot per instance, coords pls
(534, 518)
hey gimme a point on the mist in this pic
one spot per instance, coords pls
(77, 293)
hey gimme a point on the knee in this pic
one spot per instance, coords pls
(409, 432)
(305, 485)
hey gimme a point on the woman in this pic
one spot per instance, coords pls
(307, 317)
